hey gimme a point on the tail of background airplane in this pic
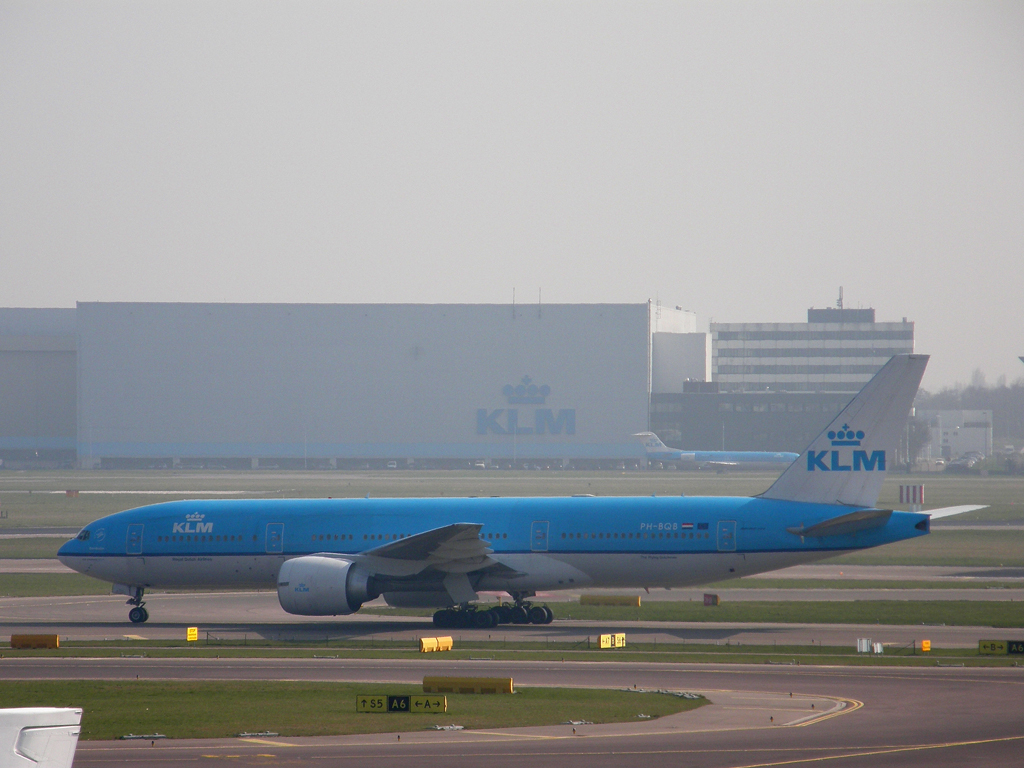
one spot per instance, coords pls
(652, 443)
(846, 463)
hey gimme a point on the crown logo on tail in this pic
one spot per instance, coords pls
(846, 436)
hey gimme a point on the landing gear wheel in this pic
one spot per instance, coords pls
(145, 615)
(538, 615)
(504, 614)
(137, 615)
(550, 615)
(520, 615)
(482, 619)
(448, 618)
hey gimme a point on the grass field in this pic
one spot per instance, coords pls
(510, 649)
(767, 582)
(34, 547)
(224, 709)
(49, 584)
(951, 548)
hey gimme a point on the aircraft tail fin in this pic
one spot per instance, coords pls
(846, 463)
(651, 442)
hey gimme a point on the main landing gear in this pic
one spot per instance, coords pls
(138, 614)
(473, 617)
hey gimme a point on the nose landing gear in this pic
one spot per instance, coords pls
(138, 614)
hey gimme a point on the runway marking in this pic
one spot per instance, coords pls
(850, 752)
(883, 751)
(270, 743)
(855, 752)
(525, 736)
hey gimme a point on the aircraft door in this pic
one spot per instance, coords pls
(726, 535)
(539, 536)
(134, 542)
(275, 538)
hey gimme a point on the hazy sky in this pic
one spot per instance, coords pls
(742, 160)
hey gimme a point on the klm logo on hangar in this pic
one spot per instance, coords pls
(516, 421)
(843, 438)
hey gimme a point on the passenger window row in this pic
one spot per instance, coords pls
(210, 538)
(651, 535)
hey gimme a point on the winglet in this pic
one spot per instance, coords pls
(846, 463)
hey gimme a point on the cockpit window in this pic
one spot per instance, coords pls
(84, 535)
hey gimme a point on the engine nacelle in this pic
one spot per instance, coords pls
(322, 586)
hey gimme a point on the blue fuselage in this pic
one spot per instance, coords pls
(547, 543)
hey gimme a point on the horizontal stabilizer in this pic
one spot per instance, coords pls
(938, 514)
(864, 520)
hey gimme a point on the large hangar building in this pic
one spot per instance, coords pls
(291, 385)
(37, 386)
(376, 385)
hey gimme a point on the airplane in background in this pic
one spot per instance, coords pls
(327, 557)
(657, 451)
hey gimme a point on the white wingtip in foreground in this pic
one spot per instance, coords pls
(846, 463)
(39, 736)
(938, 514)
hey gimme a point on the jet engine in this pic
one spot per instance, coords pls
(323, 586)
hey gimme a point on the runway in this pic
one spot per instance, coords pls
(862, 717)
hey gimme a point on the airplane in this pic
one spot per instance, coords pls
(327, 557)
(657, 451)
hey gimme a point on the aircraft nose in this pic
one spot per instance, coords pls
(67, 548)
(70, 548)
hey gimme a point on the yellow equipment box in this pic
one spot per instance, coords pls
(429, 644)
(35, 641)
(627, 600)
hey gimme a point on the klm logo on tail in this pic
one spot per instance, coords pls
(832, 461)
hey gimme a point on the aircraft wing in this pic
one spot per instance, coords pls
(938, 514)
(455, 548)
(452, 543)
